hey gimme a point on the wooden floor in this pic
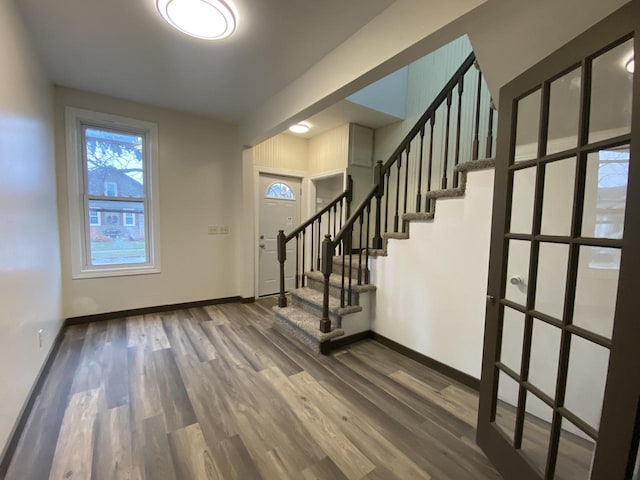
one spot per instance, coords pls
(216, 393)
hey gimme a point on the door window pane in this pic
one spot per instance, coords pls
(557, 206)
(536, 432)
(524, 185)
(597, 289)
(545, 352)
(586, 379)
(528, 127)
(564, 112)
(605, 194)
(512, 334)
(575, 453)
(552, 277)
(506, 404)
(518, 271)
(611, 94)
(114, 163)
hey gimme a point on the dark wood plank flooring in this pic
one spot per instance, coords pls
(217, 393)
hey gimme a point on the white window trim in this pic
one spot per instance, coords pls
(78, 228)
(99, 217)
(124, 218)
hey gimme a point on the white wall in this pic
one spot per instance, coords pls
(432, 288)
(200, 185)
(30, 287)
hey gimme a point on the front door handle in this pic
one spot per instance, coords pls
(262, 245)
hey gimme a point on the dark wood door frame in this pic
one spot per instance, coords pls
(615, 437)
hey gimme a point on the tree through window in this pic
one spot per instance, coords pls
(280, 191)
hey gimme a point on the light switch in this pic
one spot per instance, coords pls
(213, 230)
(224, 230)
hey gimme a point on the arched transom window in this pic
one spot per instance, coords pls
(281, 191)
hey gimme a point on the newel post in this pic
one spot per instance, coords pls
(282, 257)
(327, 269)
(378, 179)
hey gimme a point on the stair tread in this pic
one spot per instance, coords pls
(396, 235)
(315, 297)
(337, 259)
(335, 280)
(307, 322)
(407, 217)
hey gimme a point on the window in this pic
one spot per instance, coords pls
(94, 218)
(280, 191)
(129, 219)
(113, 212)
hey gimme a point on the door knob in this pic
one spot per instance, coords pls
(262, 245)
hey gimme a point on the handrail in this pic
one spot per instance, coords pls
(352, 219)
(335, 201)
(437, 102)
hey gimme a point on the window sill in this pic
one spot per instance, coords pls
(114, 272)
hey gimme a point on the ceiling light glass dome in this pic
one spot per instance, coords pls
(208, 19)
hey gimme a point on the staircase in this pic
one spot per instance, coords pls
(332, 275)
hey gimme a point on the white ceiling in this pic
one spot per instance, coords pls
(124, 49)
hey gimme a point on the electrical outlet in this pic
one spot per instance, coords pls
(40, 337)
(213, 230)
(224, 230)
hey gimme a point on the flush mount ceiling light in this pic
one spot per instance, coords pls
(208, 19)
(630, 66)
(299, 128)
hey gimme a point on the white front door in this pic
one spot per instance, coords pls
(279, 210)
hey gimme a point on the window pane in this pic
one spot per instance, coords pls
(281, 191)
(545, 353)
(536, 432)
(586, 380)
(597, 289)
(512, 335)
(552, 277)
(605, 193)
(114, 162)
(564, 109)
(575, 453)
(119, 236)
(557, 205)
(506, 404)
(524, 185)
(611, 94)
(527, 127)
(518, 271)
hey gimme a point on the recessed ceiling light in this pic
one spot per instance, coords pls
(208, 19)
(630, 66)
(299, 128)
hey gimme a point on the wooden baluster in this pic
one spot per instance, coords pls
(458, 125)
(490, 132)
(386, 201)
(366, 260)
(406, 182)
(297, 262)
(476, 133)
(303, 248)
(445, 164)
(350, 248)
(334, 219)
(341, 219)
(342, 291)
(282, 258)
(319, 240)
(419, 194)
(378, 176)
(432, 122)
(396, 219)
(360, 250)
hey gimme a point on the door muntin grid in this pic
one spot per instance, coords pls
(561, 246)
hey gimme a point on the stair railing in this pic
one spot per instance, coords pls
(308, 239)
(434, 146)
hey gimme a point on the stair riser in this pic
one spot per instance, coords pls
(335, 291)
(291, 331)
(313, 309)
(337, 269)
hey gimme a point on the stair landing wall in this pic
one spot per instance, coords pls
(431, 288)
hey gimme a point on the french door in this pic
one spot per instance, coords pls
(561, 368)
